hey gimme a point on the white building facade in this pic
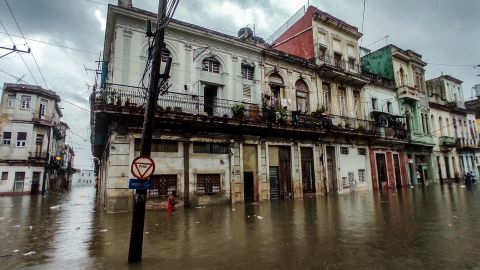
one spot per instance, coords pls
(32, 136)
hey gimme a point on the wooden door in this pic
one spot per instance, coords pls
(308, 179)
(331, 173)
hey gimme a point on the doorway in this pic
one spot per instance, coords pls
(398, 175)
(35, 183)
(381, 170)
(248, 189)
(284, 172)
(447, 167)
(274, 182)
(210, 94)
(308, 179)
(332, 176)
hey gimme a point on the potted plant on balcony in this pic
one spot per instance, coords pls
(282, 115)
(319, 111)
(238, 111)
(348, 123)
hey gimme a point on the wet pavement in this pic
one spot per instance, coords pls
(437, 227)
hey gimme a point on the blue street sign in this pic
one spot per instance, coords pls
(140, 184)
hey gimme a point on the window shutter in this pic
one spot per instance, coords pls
(247, 93)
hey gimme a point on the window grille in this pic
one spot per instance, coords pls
(208, 183)
(163, 185)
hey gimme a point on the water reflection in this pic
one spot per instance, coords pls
(435, 227)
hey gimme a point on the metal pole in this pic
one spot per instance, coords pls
(138, 220)
(47, 161)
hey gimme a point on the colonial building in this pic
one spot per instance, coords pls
(406, 68)
(240, 122)
(33, 140)
(353, 99)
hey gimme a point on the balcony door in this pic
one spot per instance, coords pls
(42, 108)
(38, 145)
(210, 94)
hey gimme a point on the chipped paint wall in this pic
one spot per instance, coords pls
(379, 62)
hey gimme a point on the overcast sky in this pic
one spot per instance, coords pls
(445, 32)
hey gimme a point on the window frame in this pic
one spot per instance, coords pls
(4, 176)
(344, 150)
(208, 190)
(11, 100)
(211, 64)
(361, 151)
(374, 103)
(248, 72)
(7, 141)
(21, 142)
(25, 102)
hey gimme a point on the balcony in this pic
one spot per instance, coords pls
(446, 141)
(467, 144)
(420, 138)
(378, 79)
(37, 156)
(191, 113)
(408, 92)
(343, 70)
(41, 120)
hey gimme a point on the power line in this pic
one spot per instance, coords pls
(52, 44)
(23, 60)
(21, 32)
(95, 2)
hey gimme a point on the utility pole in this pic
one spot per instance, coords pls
(136, 236)
(12, 50)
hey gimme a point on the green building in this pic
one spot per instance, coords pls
(407, 69)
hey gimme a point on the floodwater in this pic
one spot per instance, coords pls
(437, 227)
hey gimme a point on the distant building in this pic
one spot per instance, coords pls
(83, 178)
(32, 141)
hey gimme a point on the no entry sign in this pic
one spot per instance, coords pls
(142, 167)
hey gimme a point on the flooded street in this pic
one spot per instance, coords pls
(433, 228)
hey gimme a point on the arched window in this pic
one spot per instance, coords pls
(211, 64)
(301, 89)
(440, 125)
(276, 84)
(402, 77)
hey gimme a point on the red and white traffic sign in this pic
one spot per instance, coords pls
(142, 167)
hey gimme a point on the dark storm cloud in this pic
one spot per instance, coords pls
(443, 31)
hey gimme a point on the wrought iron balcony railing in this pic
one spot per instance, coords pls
(37, 155)
(118, 98)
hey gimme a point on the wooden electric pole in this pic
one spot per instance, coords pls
(136, 236)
